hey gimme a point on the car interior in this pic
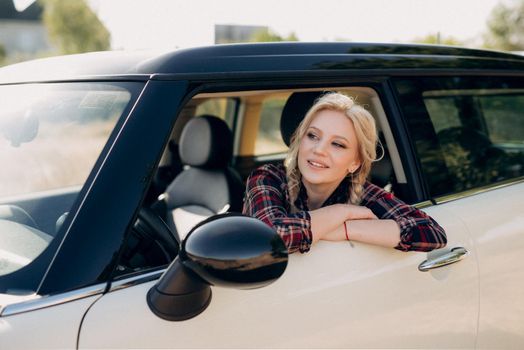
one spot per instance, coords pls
(217, 141)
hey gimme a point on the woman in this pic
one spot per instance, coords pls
(321, 192)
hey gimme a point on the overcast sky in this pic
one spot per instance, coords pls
(159, 24)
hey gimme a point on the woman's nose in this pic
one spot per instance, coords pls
(320, 148)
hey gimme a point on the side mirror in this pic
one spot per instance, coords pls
(227, 250)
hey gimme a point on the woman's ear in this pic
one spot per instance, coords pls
(353, 167)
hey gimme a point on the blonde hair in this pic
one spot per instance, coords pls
(366, 134)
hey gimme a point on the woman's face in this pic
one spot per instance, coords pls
(328, 150)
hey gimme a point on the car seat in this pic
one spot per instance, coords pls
(207, 185)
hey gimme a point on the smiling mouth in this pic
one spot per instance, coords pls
(317, 165)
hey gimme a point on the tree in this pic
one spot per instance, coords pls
(267, 35)
(506, 27)
(437, 39)
(73, 27)
(3, 54)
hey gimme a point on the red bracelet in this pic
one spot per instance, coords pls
(346, 230)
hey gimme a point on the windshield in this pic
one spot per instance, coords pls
(50, 137)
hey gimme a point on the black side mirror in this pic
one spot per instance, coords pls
(228, 250)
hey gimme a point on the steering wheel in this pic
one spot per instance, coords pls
(149, 244)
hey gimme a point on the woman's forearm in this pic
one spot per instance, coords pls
(328, 219)
(385, 233)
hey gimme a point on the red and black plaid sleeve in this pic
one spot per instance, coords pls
(265, 199)
(418, 231)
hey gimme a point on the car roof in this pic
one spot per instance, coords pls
(256, 58)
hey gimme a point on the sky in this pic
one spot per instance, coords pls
(167, 24)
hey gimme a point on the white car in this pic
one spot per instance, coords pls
(122, 175)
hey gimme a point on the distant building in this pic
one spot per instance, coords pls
(230, 33)
(22, 33)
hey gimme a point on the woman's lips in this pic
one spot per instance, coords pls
(317, 165)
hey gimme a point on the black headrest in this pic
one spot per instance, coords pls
(382, 170)
(294, 111)
(206, 142)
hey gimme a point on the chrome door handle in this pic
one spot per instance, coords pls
(455, 255)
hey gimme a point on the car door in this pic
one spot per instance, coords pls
(53, 327)
(336, 295)
(473, 161)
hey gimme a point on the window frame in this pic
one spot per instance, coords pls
(377, 82)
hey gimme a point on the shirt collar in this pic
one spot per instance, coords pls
(340, 195)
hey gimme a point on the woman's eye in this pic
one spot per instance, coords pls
(338, 145)
(312, 136)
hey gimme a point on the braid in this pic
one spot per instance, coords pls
(356, 189)
(293, 189)
(293, 178)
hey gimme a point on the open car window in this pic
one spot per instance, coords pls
(253, 118)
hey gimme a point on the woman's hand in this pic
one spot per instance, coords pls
(358, 212)
(327, 219)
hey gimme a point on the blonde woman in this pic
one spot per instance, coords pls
(321, 192)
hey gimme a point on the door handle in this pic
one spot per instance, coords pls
(454, 255)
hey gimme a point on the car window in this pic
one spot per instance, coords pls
(50, 137)
(53, 141)
(503, 115)
(443, 112)
(468, 132)
(223, 108)
(257, 134)
(269, 139)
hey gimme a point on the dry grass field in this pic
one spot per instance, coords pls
(61, 155)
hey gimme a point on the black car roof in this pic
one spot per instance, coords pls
(258, 58)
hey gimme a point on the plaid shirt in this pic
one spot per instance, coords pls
(267, 199)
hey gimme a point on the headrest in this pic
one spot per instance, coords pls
(206, 142)
(382, 170)
(294, 111)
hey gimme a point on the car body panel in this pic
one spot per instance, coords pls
(337, 302)
(48, 328)
(498, 233)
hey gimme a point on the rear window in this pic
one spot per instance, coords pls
(468, 132)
